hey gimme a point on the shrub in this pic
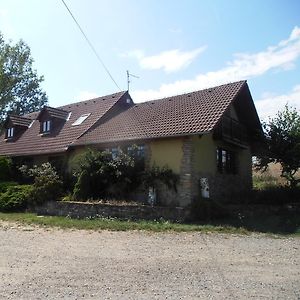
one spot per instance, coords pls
(47, 185)
(16, 198)
(4, 185)
(157, 175)
(5, 168)
(100, 176)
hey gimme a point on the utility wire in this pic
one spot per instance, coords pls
(91, 45)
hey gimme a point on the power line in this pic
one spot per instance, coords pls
(91, 45)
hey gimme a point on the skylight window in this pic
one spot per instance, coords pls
(81, 119)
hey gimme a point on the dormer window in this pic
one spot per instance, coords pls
(15, 126)
(46, 126)
(10, 132)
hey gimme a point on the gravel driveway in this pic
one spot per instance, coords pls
(38, 263)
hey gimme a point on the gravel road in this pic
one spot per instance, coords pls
(37, 263)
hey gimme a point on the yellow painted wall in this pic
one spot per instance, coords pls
(205, 156)
(245, 162)
(167, 152)
(204, 153)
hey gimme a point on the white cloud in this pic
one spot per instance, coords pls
(270, 104)
(169, 61)
(86, 95)
(243, 66)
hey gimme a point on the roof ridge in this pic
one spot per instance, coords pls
(188, 93)
(93, 99)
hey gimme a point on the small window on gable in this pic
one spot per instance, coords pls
(46, 126)
(81, 119)
(10, 132)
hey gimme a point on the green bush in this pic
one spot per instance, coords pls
(4, 185)
(16, 198)
(207, 210)
(101, 177)
(47, 185)
(157, 175)
(5, 168)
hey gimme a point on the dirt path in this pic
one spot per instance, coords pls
(54, 264)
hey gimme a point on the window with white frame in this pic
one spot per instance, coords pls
(46, 126)
(10, 132)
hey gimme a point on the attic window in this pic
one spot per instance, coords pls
(10, 132)
(81, 119)
(46, 126)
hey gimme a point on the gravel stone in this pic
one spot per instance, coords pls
(38, 263)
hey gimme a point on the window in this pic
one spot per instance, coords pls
(10, 132)
(139, 150)
(81, 119)
(46, 126)
(226, 161)
(114, 153)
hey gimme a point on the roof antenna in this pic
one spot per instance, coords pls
(128, 79)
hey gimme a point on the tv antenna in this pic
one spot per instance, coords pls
(128, 79)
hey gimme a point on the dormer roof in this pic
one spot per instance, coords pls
(54, 113)
(18, 121)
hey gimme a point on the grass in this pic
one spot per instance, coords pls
(114, 224)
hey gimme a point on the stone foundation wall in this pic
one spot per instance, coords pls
(126, 212)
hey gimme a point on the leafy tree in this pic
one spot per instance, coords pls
(283, 144)
(20, 90)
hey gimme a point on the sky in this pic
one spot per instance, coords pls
(173, 46)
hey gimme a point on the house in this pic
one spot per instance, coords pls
(207, 137)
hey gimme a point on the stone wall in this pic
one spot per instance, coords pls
(127, 212)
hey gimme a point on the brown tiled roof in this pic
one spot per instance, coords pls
(32, 143)
(192, 113)
(19, 121)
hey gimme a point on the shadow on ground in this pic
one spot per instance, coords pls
(284, 222)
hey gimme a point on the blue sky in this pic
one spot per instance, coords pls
(173, 46)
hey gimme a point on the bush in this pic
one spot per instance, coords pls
(47, 185)
(156, 175)
(99, 176)
(16, 198)
(207, 210)
(5, 168)
(4, 185)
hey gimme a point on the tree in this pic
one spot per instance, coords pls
(283, 144)
(20, 90)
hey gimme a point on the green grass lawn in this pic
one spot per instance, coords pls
(114, 224)
(279, 225)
